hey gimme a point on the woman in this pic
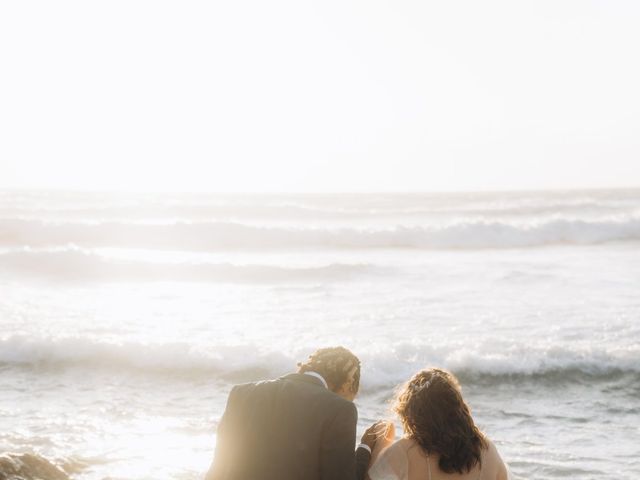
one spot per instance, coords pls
(441, 441)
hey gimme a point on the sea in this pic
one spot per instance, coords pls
(125, 318)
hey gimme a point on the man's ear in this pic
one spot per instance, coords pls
(346, 389)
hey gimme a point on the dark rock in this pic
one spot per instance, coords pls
(26, 466)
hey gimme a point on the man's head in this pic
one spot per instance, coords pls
(338, 366)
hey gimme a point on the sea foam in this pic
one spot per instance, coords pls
(212, 236)
(383, 365)
(75, 264)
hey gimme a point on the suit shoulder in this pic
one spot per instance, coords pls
(242, 389)
(341, 405)
(248, 388)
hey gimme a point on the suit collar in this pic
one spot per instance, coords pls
(319, 377)
(302, 377)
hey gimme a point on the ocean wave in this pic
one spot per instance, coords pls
(75, 264)
(104, 205)
(211, 236)
(383, 367)
(197, 212)
(320, 212)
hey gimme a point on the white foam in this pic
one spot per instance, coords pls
(212, 236)
(74, 263)
(383, 365)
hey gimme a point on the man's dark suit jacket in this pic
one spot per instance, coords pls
(291, 428)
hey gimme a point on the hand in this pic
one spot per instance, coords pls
(379, 430)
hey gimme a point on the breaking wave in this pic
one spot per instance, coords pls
(382, 366)
(212, 236)
(74, 264)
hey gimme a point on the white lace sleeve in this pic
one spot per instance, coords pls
(392, 464)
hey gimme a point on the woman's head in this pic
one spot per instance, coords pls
(434, 414)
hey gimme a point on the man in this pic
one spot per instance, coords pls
(298, 427)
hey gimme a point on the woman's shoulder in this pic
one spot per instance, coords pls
(392, 464)
(408, 449)
(405, 443)
(407, 446)
(492, 460)
(490, 452)
(399, 448)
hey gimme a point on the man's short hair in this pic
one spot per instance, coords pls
(334, 364)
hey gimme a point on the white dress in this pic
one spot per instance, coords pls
(392, 464)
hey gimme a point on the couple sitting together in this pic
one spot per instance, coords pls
(302, 426)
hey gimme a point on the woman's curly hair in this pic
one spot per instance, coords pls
(334, 364)
(434, 414)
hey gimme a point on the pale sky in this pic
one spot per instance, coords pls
(319, 96)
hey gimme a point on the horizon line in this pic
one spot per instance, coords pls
(313, 193)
